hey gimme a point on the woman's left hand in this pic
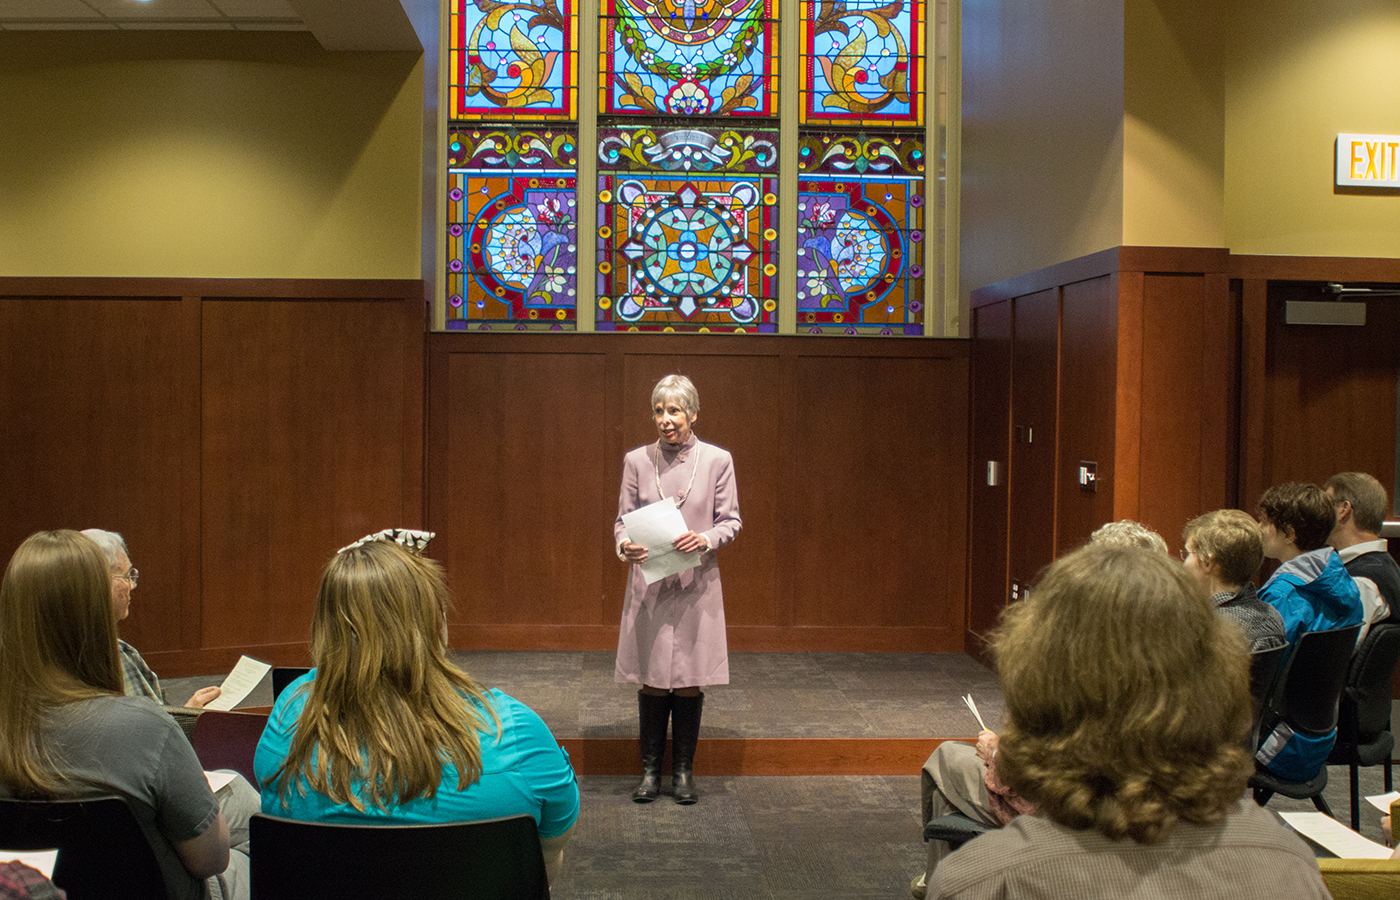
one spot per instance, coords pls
(690, 542)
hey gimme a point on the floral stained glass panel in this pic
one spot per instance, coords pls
(513, 59)
(860, 212)
(862, 62)
(687, 230)
(512, 244)
(689, 57)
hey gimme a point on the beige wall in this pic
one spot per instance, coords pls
(207, 155)
(1173, 124)
(1298, 73)
(1042, 140)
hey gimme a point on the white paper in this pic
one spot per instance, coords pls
(1335, 836)
(972, 705)
(1382, 801)
(239, 683)
(218, 779)
(42, 860)
(655, 526)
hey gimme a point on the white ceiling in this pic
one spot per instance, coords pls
(337, 24)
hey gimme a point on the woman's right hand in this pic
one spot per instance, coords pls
(633, 553)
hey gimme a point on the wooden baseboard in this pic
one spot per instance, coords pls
(763, 756)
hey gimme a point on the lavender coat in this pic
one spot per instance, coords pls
(673, 631)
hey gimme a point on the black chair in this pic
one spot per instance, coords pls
(955, 828)
(283, 676)
(1263, 672)
(102, 852)
(496, 859)
(1363, 726)
(1306, 698)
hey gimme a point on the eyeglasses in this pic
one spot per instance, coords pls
(1184, 553)
(129, 576)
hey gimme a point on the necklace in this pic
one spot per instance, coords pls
(680, 498)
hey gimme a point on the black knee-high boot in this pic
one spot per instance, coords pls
(685, 734)
(653, 711)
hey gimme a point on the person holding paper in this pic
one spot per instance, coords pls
(387, 731)
(1127, 703)
(138, 680)
(672, 641)
(69, 731)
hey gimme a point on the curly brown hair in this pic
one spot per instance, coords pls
(1128, 698)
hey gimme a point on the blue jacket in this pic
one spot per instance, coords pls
(1313, 592)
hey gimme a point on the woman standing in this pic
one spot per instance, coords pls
(672, 640)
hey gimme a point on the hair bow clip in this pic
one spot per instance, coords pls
(414, 542)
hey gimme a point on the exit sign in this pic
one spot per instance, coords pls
(1368, 160)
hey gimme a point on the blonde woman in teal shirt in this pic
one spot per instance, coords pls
(383, 679)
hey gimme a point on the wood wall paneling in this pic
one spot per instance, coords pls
(1088, 381)
(1332, 392)
(992, 363)
(96, 413)
(1173, 396)
(876, 466)
(1034, 399)
(838, 445)
(527, 489)
(306, 447)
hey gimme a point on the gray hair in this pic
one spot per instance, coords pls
(112, 544)
(681, 390)
(1127, 533)
(1366, 496)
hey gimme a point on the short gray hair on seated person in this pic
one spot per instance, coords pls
(681, 390)
(112, 544)
(1366, 496)
(1127, 533)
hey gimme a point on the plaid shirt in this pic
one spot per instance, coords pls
(1262, 623)
(26, 883)
(137, 678)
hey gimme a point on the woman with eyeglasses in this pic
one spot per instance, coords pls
(70, 732)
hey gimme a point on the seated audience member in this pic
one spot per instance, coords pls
(386, 730)
(1127, 704)
(1223, 549)
(138, 680)
(1360, 503)
(69, 731)
(1311, 589)
(962, 777)
(1127, 533)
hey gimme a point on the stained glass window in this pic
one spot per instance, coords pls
(684, 199)
(860, 233)
(688, 58)
(862, 62)
(687, 229)
(512, 245)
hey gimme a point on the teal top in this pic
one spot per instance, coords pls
(524, 771)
